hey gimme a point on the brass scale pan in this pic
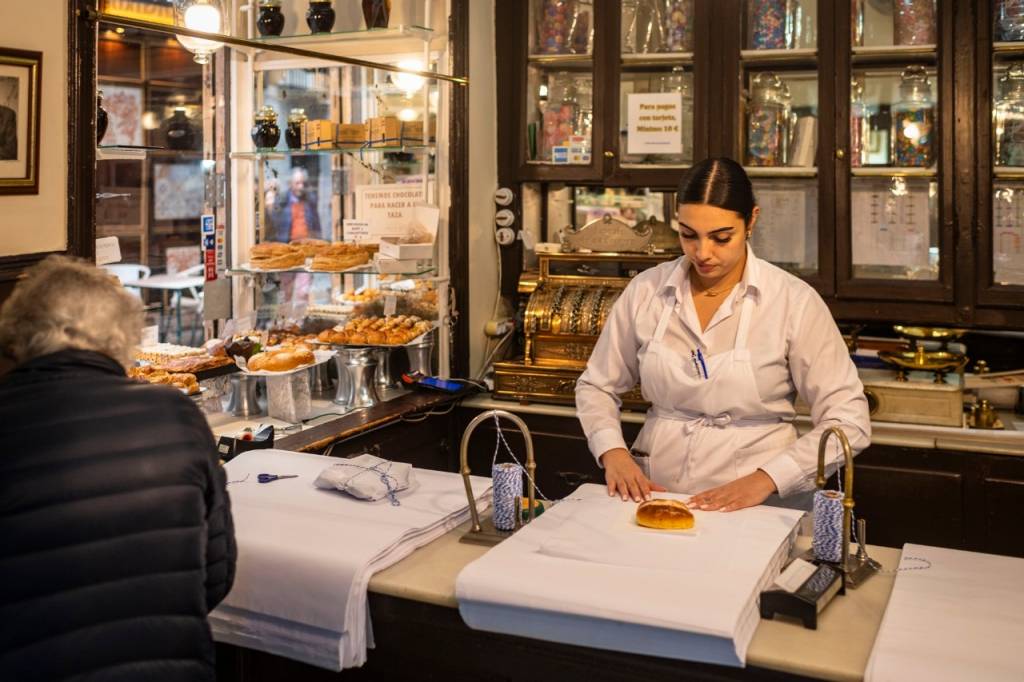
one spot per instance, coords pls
(571, 310)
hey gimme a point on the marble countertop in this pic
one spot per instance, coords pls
(837, 650)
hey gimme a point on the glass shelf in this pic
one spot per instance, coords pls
(800, 55)
(358, 42)
(657, 58)
(349, 149)
(781, 171)
(893, 171)
(894, 51)
(368, 269)
(560, 61)
(1014, 172)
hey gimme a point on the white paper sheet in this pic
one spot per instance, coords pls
(890, 226)
(780, 235)
(584, 573)
(1008, 235)
(960, 619)
(306, 555)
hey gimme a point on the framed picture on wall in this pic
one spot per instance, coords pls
(20, 79)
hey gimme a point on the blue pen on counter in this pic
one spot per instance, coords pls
(700, 356)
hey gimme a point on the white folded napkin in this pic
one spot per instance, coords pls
(368, 478)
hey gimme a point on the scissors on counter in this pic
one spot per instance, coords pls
(270, 478)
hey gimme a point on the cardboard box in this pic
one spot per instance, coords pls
(351, 133)
(390, 248)
(389, 130)
(392, 266)
(319, 134)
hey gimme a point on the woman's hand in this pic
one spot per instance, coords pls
(748, 491)
(624, 477)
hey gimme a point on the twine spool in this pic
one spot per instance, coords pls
(507, 488)
(827, 541)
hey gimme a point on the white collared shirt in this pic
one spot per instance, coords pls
(794, 346)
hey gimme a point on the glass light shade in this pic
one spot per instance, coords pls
(407, 81)
(199, 15)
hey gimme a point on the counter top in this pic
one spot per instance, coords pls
(1006, 442)
(837, 650)
(330, 424)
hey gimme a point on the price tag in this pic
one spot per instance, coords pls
(390, 305)
(356, 230)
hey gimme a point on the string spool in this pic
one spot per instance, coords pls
(827, 541)
(507, 488)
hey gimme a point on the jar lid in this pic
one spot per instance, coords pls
(856, 89)
(266, 113)
(297, 116)
(270, 3)
(769, 88)
(1012, 82)
(914, 84)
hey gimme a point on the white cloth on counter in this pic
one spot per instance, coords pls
(584, 573)
(962, 618)
(367, 477)
(306, 555)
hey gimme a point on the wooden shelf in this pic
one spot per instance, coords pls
(808, 55)
(661, 59)
(893, 172)
(781, 171)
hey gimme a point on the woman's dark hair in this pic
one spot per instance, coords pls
(718, 182)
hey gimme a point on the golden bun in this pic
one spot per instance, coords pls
(281, 360)
(664, 514)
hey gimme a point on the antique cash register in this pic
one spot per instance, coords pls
(570, 300)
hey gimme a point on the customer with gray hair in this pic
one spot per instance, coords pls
(117, 530)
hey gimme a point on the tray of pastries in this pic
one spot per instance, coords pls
(184, 381)
(340, 256)
(277, 256)
(399, 330)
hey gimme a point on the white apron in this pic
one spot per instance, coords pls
(701, 433)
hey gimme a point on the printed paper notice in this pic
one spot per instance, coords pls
(389, 210)
(780, 235)
(655, 123)
(890, 227)
(1008, 235)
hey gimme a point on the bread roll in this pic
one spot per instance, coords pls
(664, 514)
(281, 360)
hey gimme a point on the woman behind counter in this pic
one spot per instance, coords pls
(721, 343)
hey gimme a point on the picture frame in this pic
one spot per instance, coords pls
(20, 82)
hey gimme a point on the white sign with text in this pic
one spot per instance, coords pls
(655, 123)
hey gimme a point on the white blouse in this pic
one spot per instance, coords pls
(795, 347)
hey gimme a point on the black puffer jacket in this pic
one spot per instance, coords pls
(115, 530)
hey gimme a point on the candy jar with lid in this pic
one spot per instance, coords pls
(860, 127)
(914, 22)
(913, 120)
(270, 20)
(677, 16)
(180, 132)
(767, 121)
(767, 21)
(293, 133)
(320, 16)
(1010, 20)
(1008, 117)
(265, 131)
(554, 25)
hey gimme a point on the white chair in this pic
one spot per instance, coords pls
(129, 272)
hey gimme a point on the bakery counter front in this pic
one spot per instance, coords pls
(947, 487)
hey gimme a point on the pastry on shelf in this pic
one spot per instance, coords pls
(281, 360)
(184, 381)
(276, 256)
(340, 256)
(361, 296)
(194, 363)
(163, 352)
(309, 247)
(376, 331)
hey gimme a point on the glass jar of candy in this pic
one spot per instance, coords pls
(767, 121)
(265, 131)
(101, 117)
(913, 120)
(914, 22)
(293, 133)
(180, 133)
(678, 18)
(1008, 117)
(860, 127)
(767, 22)
(555, 19)
(270, 20)
(320, 16)
(1009, 20)
(560, 116)
(376, 13)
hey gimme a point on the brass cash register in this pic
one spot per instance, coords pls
(570, 300)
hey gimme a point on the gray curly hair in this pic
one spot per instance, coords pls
(69, 303)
